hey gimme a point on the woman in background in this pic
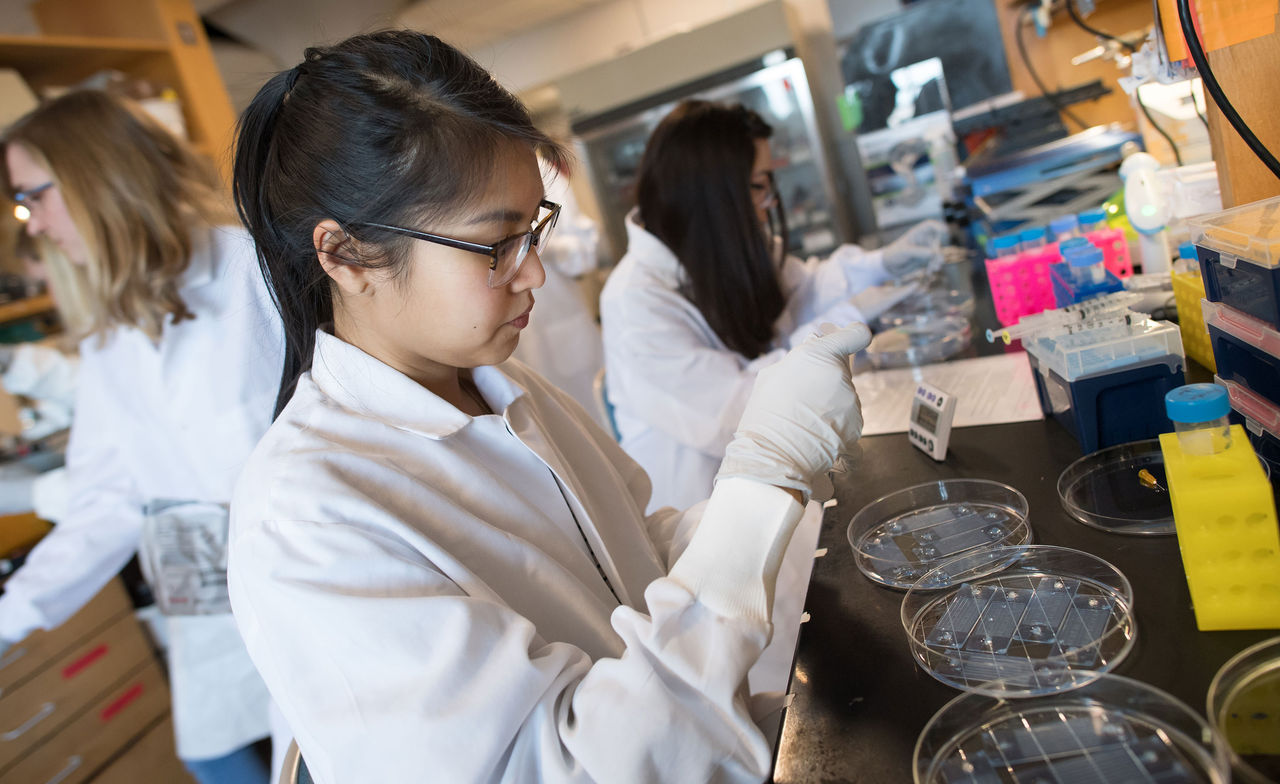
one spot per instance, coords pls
(706, 296)
(177, 379)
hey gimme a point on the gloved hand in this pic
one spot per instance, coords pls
(802, 413)
(915, 250)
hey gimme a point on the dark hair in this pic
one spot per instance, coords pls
(694, 194)
(393, 127)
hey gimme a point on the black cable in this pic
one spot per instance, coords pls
(1035, 77)
(1137, 93)
(1215, 90)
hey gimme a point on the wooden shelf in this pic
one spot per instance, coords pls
(30, 53)
(24, 308)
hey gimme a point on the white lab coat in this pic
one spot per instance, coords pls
(169, 421)
(424, 605)
(677, 390)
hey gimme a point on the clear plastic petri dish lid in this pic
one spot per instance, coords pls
(926, 307)
(900, 537)
(1020, 621)
(1243, 705)
(1121, 489)
(920, 343)
(1113, 729)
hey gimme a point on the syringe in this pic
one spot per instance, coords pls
(1086, 332)
(1080, 311)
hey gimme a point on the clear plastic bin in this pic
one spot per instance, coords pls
(1019, 621)
(1246, 349)
(1113, 730)
(1092, 351)
(1239, 255)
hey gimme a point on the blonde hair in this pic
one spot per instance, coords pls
(134, 192)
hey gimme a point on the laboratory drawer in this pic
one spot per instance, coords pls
(99, 732)
(40, 649)
(1239, 254)
(1246, 350)
(1113, 407)
(153, 753)
(45, 703)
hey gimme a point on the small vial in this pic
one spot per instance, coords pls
(1032, 239)
(1064, 228)
(1086, 264)
(1199, 414)
(1187, 259)
(1092, 220)
(1005, 245)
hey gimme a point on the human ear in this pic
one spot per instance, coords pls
(332, 244)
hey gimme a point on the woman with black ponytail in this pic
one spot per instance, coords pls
(440, 565)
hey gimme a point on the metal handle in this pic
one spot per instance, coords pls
(72, 765)
(45, 711)
(12, 656)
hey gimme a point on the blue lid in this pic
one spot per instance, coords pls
(1083, 256)
(1187, 250)
(1005, 241)
(1064, 224)
(1092, 216)
(1072, 243)
(1038, 233)
(1197, 403)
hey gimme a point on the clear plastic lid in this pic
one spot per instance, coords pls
(900, 537)
(1241, 326)
(1019, 621)
(1249, 233)
(1243, 705)
(1114, 730)
(921, 343)
(1258, 412)
(1121, 489)
(1108, 345)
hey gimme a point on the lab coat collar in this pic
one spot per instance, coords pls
(359, 382)
(652, 253)
(200, 268)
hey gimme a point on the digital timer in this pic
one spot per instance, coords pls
(929, 428)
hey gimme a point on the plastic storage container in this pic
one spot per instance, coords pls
(1188, 291)
(1064, 227)
(1226, 521)
(1239, 254)
(1199, 415)
(1020, 284)
(1019, 621)
(1245, 349)
(1112, 730)
(1106, 347)
(1032, 239)
(1005, 245)
(1092, 220)
(1243, 705)
(1070, 287)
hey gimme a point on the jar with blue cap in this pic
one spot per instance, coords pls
(1199, 414)
(1187, 259)
(1005, 245)
(1086, 262)
(1092, 220)
(1064, 227)
(1033, 239)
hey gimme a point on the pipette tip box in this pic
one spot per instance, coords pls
(1246, 349)
(1239, 255)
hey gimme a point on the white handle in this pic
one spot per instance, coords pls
(72, 765)
(45, 711)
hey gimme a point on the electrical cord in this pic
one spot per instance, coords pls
(1215, 90)
(1137, 93)
(1035, 77)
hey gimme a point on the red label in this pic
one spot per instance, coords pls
(74, 668)
(109, 712)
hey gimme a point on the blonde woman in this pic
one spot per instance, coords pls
(180, 357)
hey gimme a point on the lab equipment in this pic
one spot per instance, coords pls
(1064, 227)
(1148, 209)
(1033, 238)
(920, 343)
(1261, 419)
(1199, 415)
(900, 537)
(1082, 275)
(1005, 245)
(1247, 350)
(1081, 311)
(1020, 284)
(1019, 621)
(1188, 290)
(1092, 220)
(1243, 705)
(1114, 729)
(1226, 521)
(929, 428)
(1239, 255)
(1121, 489)
(1087, 262)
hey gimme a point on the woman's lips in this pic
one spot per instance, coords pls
(522, 321)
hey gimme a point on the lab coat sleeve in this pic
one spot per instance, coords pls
(819, 289)
(42, 373)
(97, 537)
(387, 672)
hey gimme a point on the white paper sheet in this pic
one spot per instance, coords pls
(988, 390)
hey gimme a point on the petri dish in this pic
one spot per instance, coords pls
(1113, 729)
(920, 343)
(1020, 621)
(926, 307)
(1109, 490)
(1243, 705)
(900, 537)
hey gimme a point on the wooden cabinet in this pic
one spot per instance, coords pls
(160, 40)
(75, 700)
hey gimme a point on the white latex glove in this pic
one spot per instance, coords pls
(802, 414)
(915, 250)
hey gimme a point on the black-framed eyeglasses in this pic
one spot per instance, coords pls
(31, 195)
(505, 256)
